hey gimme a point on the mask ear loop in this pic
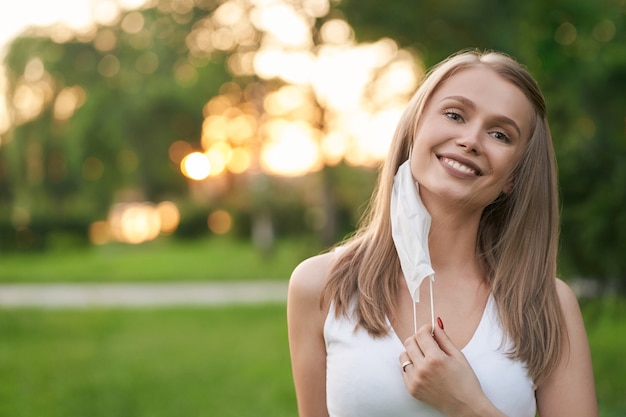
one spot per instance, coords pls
(432, 306)
(432, 309)
(414, 317)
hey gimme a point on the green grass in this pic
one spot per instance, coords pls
(228, 361)
(165, 362)
(215, 259)
(606, 329)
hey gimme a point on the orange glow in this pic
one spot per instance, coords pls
(284, 24)
(99, 232)
(220, 222)
(339, 101)
(334, 147)
(135, 223)
(217, 105)
(68, 100)
(138, 223)
(240, 160)
(286, 99)
(178, 150)
(105, 41)
(336, 31)
(29, 100)
(196, 166)
(133, 22)
(241, 128)
(218, 156)
(169, 215)
(229, 13)
(290, 149)
(214, 128)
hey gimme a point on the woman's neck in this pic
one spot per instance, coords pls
(452, 238)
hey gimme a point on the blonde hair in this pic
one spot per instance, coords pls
(517, 237)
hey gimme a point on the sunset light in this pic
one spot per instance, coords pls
(136, 223)
(339, 100)
(196, 166)
(303, 94)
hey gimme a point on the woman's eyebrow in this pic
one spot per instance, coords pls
(500, 118)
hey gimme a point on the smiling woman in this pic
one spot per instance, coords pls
(467, 201)
(470, 128)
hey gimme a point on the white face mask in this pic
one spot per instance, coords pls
(410, 224)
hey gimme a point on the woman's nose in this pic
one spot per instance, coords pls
(470, 141)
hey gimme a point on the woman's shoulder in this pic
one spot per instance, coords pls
(304, 296)
(567, 298)
(310, 276)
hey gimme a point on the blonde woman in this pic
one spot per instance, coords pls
(445, 301)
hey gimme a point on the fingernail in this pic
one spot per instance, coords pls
(440, 323)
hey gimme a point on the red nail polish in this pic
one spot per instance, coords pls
(440, 323)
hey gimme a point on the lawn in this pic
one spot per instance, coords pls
(606, 329)
(211, 259)
(135, 363)
(227, 361)
(213, 361)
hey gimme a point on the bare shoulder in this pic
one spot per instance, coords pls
(567, 298)
(308, 278)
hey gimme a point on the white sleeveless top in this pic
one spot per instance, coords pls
(364, 377)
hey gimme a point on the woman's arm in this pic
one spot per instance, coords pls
(570, 390)
(305, 321)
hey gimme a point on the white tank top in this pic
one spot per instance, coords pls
(364, 377)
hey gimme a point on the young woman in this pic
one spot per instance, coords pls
(467, 203)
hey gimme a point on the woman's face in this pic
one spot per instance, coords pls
(470, 138)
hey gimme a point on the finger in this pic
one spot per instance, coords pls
(444, 342)
(428, 344)
(413, 349)
(405, 366)
(405, 361)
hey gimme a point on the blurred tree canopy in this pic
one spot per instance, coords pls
(110, 109)
(130, 94)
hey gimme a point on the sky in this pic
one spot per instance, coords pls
(15, 16)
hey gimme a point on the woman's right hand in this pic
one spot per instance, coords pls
(441, 376)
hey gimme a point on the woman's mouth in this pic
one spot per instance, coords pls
(459, 166)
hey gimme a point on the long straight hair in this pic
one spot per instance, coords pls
(517, 236)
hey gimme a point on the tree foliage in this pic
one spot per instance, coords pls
(128, 97)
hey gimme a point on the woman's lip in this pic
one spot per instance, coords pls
(461, 160)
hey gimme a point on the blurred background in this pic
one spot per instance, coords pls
(226, 140)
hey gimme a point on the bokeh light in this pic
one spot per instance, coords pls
(135, 223)
(290, 149)
(337, 100)
(196, 166)
(220, 222)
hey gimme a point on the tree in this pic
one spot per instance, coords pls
(95, 115)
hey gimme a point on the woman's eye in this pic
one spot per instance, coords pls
(500, 136)
(453, 115)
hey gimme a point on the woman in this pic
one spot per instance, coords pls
(467, 200)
